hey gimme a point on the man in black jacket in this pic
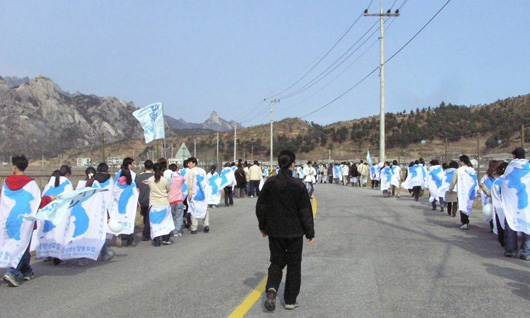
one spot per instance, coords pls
(285, 215)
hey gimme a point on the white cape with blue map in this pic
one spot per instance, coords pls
(52, 234)
(515, 190)
(73, 225)
(414, 177)
(124, 204)
(386, 178)
(467, 184)
(496, 199)
(198, 204)
(161, 220)
(15, 231)
(434, 182)
(214, 187)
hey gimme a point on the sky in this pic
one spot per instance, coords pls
(227, 56)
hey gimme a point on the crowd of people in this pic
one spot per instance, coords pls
(172, 198)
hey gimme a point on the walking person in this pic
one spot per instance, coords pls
(159, 208)
(143, 197)
(255, 176)
(515, 190)
(450, 197)
(197, 200)
(309, 179)
(285, 216)
(176, 199)
(465, 179)
(241, 182)
(363, 172)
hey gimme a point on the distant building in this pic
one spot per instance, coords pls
(114, 161)
(84, 162)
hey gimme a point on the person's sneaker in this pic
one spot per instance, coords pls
(206, 229)
(509, 254)
(11, 280)
(108, 256)
(525, 257)
(270, 303)
(442, 209)
(145, 238)
(166, 242)
(29, 276)
(465, 227)
(57, 261)
(291, 306)
(193, 232)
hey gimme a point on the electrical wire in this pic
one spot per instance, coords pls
(325, 55)
(375, 69)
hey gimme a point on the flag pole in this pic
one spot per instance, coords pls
(164, 121)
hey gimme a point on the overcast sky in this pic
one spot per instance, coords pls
(201, 56)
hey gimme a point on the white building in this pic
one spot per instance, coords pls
(84, 162)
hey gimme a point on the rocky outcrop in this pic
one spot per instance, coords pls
(214, 122)
(38, 118)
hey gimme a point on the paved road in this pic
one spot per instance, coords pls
(373, 257)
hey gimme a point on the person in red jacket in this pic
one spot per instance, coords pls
(16, 182)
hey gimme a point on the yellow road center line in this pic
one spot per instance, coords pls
(255, 294)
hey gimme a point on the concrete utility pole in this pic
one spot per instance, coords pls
(272, 130)
(194, 148)
(381, 16)
(217, 152)
(235, 142)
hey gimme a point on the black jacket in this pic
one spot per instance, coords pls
(283, 208)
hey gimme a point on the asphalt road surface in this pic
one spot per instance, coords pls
(372, 257)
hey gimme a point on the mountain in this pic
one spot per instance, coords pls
(13, 81)
(38, 118)
(214, 122)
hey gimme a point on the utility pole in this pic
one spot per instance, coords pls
(522, 136)
(235, 142)
(446, 159)
(103, 158)
(272, 130)
(217, 153)
(194, 148)
(478, 156)
(381, 16)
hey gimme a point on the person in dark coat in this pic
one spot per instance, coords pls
(285, 215)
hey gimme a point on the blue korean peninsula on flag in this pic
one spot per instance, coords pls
(151, 117)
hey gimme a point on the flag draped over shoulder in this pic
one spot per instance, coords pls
(151, 117)
(214, 185)
(496, 200)
(515, 191)
(414, 177)
(197, 189)
(467, 188)
(446, 182)
(396, 176)
(160, 220)
(51, 230)
(124, 203)
(183, 172)
(386, 178)
(15, 231)
(74, 225)
(434, 182)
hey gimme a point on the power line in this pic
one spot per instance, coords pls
(375, 69)
(241, 118)
(323, 74)
(325, 55)
(351, 64)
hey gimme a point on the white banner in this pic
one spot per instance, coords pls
(515, 191)
(434, 182)
(151, 117)
(72, 226)
(16, 231)
(161, 220)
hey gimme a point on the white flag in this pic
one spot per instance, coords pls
(151, 117)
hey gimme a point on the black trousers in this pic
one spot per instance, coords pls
(285, 251)
(229, 198)
(500, 231)
(146, 232)
(464, 219)
(416, 190)
(254, 187)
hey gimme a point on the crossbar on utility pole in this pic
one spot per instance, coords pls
(381, 15)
